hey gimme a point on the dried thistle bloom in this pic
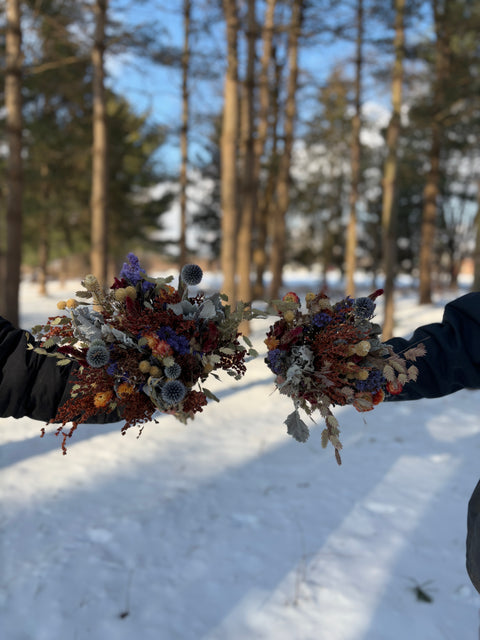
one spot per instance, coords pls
(173, 371)
(98, 356)
(364, 308)
(173, 392)
(191, 274)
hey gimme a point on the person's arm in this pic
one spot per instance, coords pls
(473, 538)
(32, 384)
(452, 360)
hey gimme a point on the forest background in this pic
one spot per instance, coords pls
(328, 134)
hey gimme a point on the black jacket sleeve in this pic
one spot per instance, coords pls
(473, 538)
(31, 384)
(452, 361)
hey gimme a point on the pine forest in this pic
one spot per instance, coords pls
(245, 135)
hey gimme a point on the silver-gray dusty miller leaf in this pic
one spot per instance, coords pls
(296, 427)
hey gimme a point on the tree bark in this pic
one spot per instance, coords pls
(99, 210)
(183, 253)
(248, 199)
(389, 205)
(228, 150)
(283, 186)
(432, 184)
(265, 102)
(44, 232)
(351, 248)
(13, 220)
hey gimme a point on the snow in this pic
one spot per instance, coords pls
(228, 529)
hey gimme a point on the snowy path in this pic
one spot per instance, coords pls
(229, 530)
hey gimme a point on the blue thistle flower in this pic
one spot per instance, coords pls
(364, 308)
(173, 371)
(98, 355)
(191, 274)
(173, 392)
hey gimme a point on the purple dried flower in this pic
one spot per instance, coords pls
(131, 270)
(374, 381)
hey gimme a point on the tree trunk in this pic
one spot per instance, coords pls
(264, 94)
(351, 248)
(183, 253)
(99, 211)
(44, 232)
(389, 205)
(228, 149)
(248, 199)
(283, 186)
(432, 184)
(13, 220)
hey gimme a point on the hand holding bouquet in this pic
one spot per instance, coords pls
(143, 347)
(332, 354)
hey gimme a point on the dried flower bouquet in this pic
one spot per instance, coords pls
(143, 347)
(331, 354)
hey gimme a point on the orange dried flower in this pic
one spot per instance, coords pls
(102, 398)
(124, 390)
(271, 342)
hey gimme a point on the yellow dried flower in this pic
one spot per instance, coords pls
(71, 303)
(324, 303)
(155, 372)
(289, 316)
(120, 294)
(362, 348)
(144, 366)
(131, 292)
(61, 304)
(362, 374)
(309, 298)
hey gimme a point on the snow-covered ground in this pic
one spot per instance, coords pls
(227, 529)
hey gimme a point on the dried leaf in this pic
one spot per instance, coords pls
(389, 373)
(325, 438)
(296, 427)
(64, 362)
(412, 372)
(210, 395)
(415, 352)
